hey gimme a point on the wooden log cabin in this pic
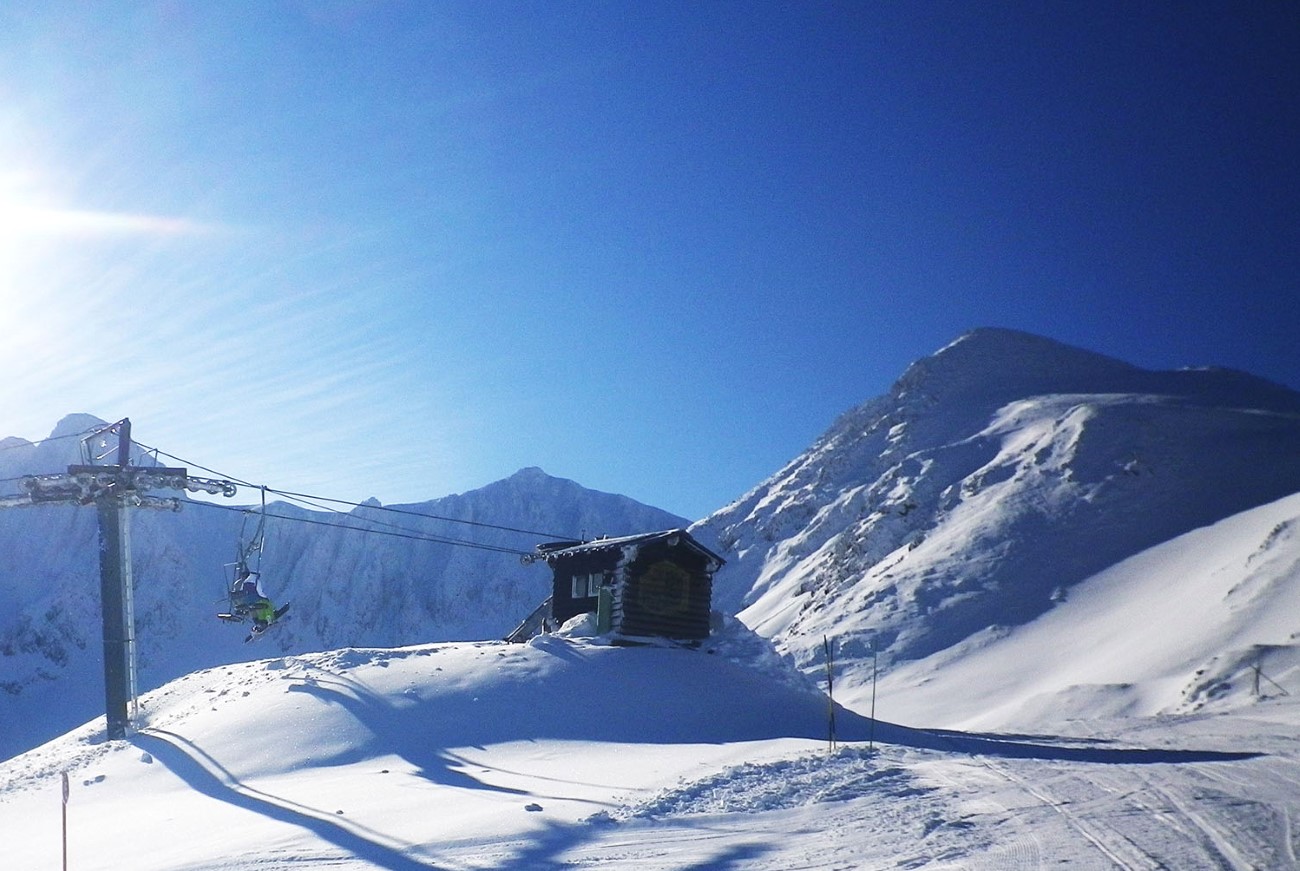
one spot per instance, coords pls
(653, 584)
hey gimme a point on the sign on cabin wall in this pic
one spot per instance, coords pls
(664, 589)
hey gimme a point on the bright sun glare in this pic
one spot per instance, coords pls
(24, 211)
(28, 210)
(31, 256)
(17, 222)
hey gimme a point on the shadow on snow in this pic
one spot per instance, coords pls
(586, 698)
(205, 775)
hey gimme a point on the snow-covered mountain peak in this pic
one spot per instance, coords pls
(75, 424)
(989, 363)
(52, 455)
(965, 382)
(994, 476)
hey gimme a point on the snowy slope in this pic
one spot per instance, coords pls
(1178, 628)
(568, 752)
(992, 479)
(347, 587)
(1036, 538)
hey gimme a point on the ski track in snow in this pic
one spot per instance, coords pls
(1234, 815)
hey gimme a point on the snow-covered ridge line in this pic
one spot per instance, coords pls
(994, 477)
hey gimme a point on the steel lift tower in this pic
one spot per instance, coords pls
(113, 488)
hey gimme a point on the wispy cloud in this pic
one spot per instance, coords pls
(84, 222)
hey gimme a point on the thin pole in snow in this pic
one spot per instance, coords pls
(1259, 673)
(65, 821)
(829, 647)
(871, 728)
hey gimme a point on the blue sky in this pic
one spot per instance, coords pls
(405, 249)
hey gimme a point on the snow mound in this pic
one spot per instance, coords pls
(420, 703)
(571, 752)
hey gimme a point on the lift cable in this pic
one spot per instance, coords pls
(400, 531)
(23, 443)
(409, 513)
(409, 534)
(397, 531)
(18, 478)
(360, 505)
(316, 502)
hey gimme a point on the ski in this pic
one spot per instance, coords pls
(258, 631)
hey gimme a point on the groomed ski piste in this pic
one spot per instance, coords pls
(570, 751)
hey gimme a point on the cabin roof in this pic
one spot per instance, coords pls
(552, 550)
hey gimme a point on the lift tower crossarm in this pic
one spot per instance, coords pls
(85, 484)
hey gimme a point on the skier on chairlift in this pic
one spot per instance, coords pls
(247, 601)
(246, 597)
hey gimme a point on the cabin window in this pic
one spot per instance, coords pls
(587, 585)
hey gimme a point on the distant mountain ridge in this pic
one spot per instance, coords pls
(994, 478)
(378, 588)
(991, 478)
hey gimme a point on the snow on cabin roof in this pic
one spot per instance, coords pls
(551, 550)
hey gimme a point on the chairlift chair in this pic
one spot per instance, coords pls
(245, 590)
